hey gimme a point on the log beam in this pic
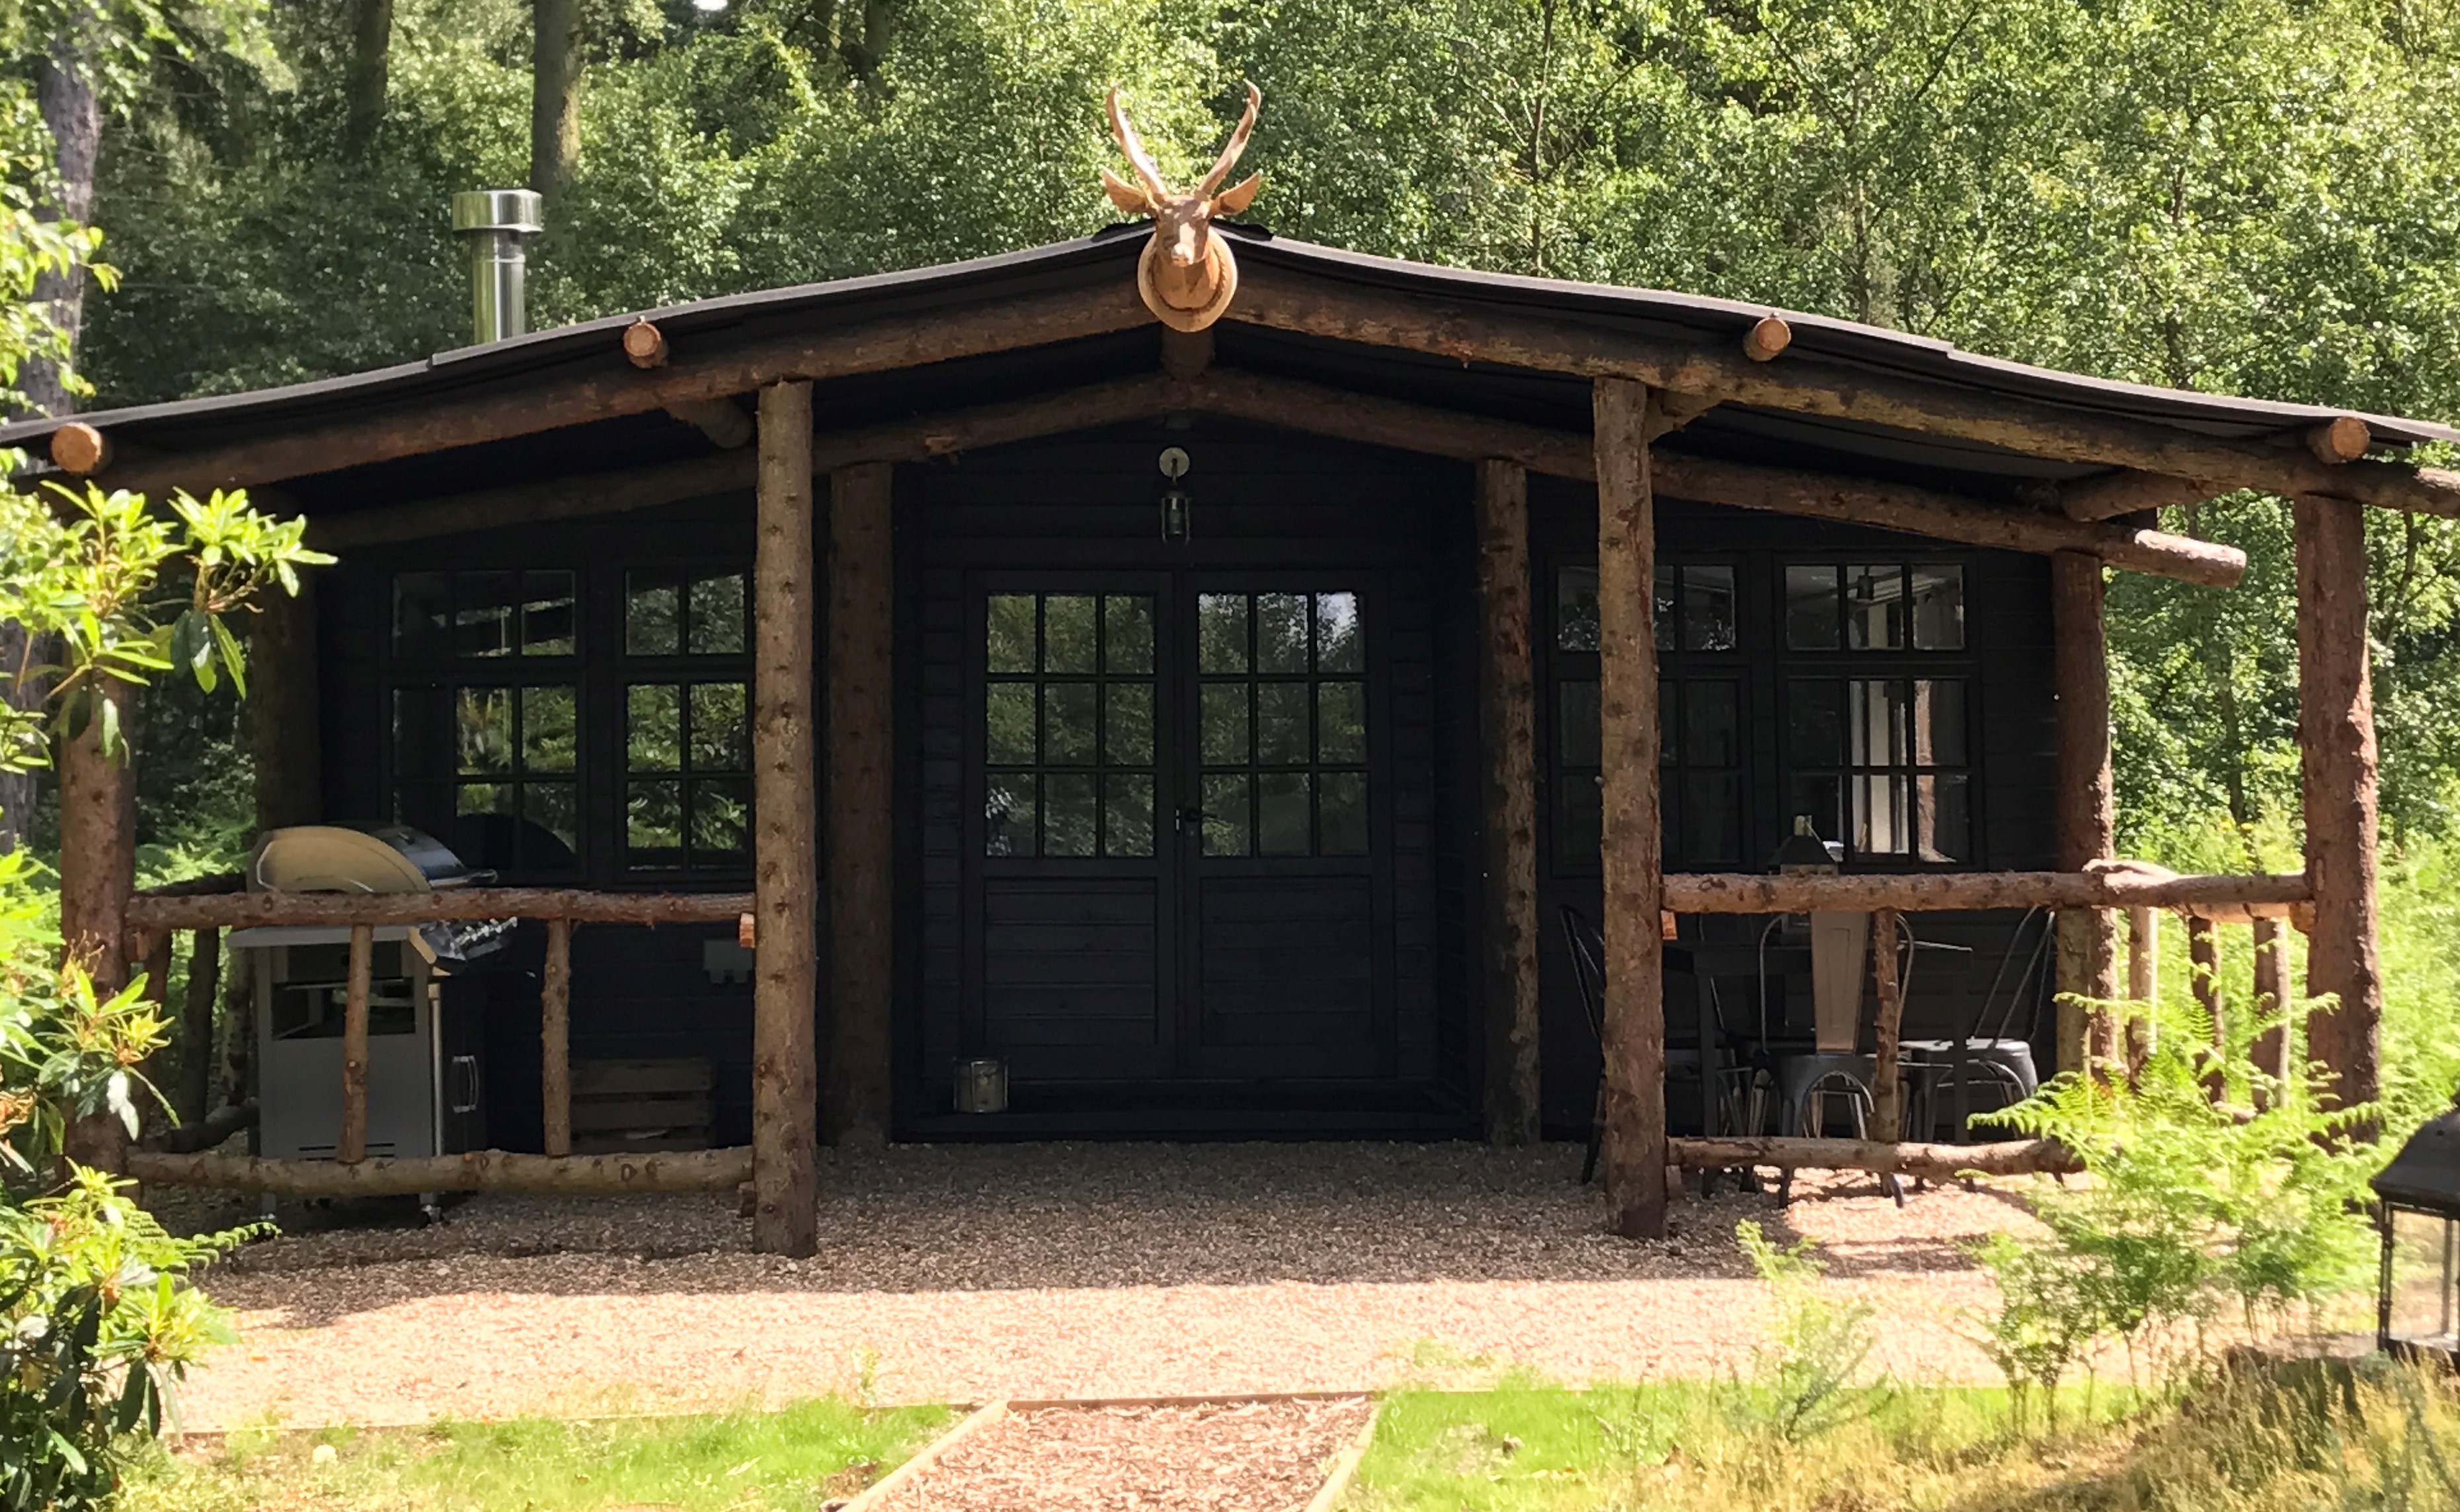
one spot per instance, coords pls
(2126, 492)
(555, 1039)
(477, 1171)
(247, 910)
(861, 765)
(1937, 1162)
(2336, 740)
(1634, 1149)
(353, 1145)
(721, 420)
(1507, 818)
(1918, 892)
(2085, 817)
(785, 872)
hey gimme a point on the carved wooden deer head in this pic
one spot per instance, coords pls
(1187, 275)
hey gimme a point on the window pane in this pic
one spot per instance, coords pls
(1068, 633)
(1878, 727)
(716, 615)
(1221, 633)
(1341, 721)
(1068, 723)
(652, 614)
(1874, 608)
(422, 723)
(550, 730)
(1576, 608)
(1942, 817)
(1282, 632)
(1810, 608)
(1815, 725)
(721, 732)
(422, 603)
(1070, 819)
(485, 797)
(654, 728)
(1579, 816)
(1939, 721)
(1881, 824)
(1708, 612)
(1664, 604)
(1007, 722)
(1225, 814)
(552, 807)
(721, 815)
(1939, 608)
(1712, 816)
(1819, 798)
(1127, 815)
(1341, 813)
(1128, 738)
(1282, 821)
(485, 606)
(482, 719)
(1578, 740)
(653, 816)
(1222, 718)
(1282, 723)
(1008, 812)
(1007, 633)
(549, 616)
(1339, 639)
(1712, 724)
(1129, 632)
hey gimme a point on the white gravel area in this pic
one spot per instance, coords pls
(968, 1272)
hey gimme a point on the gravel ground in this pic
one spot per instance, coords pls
(1255, 1456)
(967, 1272)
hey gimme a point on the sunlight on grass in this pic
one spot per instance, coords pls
(788, 1460)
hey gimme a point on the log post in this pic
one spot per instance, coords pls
(2336, 729)
(281, 709)
(785, 1150)
(1508, 820)
(2143, 984)
(1887, 1095)
(197, 1024)
(1635, 882)
(2270, 1054)
(2204, 961)
(2086, 814)
(352, 1146)
(861, 761)
(555, 1038)
(99, 843)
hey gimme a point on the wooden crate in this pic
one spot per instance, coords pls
(623, 1106)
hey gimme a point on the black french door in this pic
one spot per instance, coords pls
(1177, 864)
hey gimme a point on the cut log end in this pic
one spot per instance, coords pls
(1767, 338)
(2343, 438)
(77, 447)
(645, 344)
(746, 931)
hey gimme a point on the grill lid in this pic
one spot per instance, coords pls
(355, 858)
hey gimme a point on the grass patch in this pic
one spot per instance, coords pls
(788, 1460)
(2390, 1438)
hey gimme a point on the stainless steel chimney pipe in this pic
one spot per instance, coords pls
(495, 219)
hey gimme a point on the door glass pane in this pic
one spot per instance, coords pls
(1874, 608)
(1221, 633)
(653, 740)
(548, 614)
(1223, 717)
(1939, 721)
(1340, 644)
(550, 730)
(1878, 729)
(652, 614)
(721, 730)
(1579, 814)
(721, 814)
(422, 603)
(1939, 608)
(1282, 632)
(1128, 734)
(1068, 724)
(1068, 633)
(1821, 798)
(1007, 633)
(1226, 830)
(1341, 721)
(1662, 604)
(1281, 724)
(1815, 725)
(1009, 814)
(1576, 608)
(486, 611)
(551, 807)
(1578, 736)
(1341, 813)
(483, 720)
(1709, 613)
(653, 816)
(1069, 817)
(1128, 625)
(1008, 725)
(1711, 827)
(1282, 818)
(1942, 817)
(716, 615)
(1711, 724)
(1810, 608)
(1881, 824)
(1127, 815)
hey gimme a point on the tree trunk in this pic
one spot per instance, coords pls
(18, 789)
(64, 93)
(1507, 742)
(370, 66)
(555, 96)
(2085, 812)
(1634, 1148)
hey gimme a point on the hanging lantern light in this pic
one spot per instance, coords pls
(2418, 1305)
(1178, 505)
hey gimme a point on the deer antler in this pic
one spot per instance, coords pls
(1134, 146)
(1236, 145)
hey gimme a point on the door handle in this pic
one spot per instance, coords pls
(1190, 820)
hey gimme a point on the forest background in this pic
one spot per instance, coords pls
(2250, 196)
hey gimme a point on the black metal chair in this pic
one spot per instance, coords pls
(1992, 1054)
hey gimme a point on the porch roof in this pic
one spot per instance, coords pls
(253, 437)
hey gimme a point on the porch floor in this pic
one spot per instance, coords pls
(963, 1272)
